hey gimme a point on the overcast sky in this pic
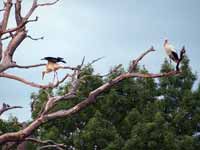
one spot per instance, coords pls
(117, 29)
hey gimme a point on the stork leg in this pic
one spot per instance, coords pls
(54, 75)
(57, 76)
(170, 61)
(43, 73)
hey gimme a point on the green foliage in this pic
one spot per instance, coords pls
(11, 125)
(97, 133)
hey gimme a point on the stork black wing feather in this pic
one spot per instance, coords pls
(60, 59)
(175, 55)
(54, 59)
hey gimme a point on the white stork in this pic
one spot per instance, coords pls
(170, 50)
(52, 65)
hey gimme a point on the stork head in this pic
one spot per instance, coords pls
(165, 42)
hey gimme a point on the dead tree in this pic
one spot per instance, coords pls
(16, 35)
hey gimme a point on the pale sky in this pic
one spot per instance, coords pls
(117, 29)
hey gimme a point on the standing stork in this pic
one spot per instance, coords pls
(52, 65)
(170, 50)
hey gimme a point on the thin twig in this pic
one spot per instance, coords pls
(7, 37)
(47, 4)
(19, 26)
(94, 61)
(35, 39)
(2, 10)
(135, 62)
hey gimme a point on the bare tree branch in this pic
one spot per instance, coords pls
(1, 49)
(2, 10)
(51, 146)
(135, 62)
(35, 39)
(7, 37)
(20, 34)
(114, 70)
(47, 4)
(27, 67)
(4, 23)
(13, 44)
(75, 81)
(94, 61)
(18, 16)
(38, 65)
(6, 107)
(50, 85)
(47, 143)
(21, 25)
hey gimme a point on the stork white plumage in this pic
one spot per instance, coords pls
(52, 66)
(170, 51)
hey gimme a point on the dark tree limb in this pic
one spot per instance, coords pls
(6, 107)
(7, 37)
(2, 10)
(35, 39)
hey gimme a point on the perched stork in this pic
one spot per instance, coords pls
(52, 65)
(171, 51)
